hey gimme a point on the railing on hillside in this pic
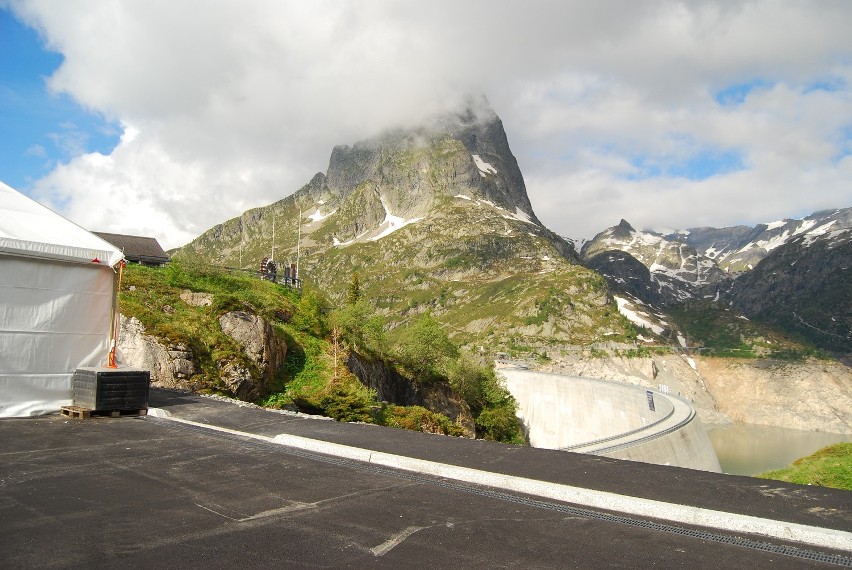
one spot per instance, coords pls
(268, 271)
(286, 280)
(292, 283)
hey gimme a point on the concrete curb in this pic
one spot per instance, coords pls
(647, 508)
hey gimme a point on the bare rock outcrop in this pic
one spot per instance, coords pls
(174, 365)
(196, 299)
(171, 366)
(260, 345)
(239, 380)
(814, 395)
(391, 386)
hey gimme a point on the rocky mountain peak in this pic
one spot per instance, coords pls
(432, 218)
(623, 229)
(461, 152)
(676, 268)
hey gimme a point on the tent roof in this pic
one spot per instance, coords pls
(29, 229)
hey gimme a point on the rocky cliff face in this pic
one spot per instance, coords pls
(392, 387)
(814, 395)
(175, 366)
(263, 349)
(171, 366)
(406, 173)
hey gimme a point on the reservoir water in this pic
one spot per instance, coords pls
(748, 449)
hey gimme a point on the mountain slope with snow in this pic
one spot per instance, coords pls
(676, 269)
(803, 287)
(741, 248)
(433, 219)
(689, 264)
(793, 275)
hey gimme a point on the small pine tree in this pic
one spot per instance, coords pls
(353, 294)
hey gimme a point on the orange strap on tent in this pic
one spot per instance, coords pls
(116, 319)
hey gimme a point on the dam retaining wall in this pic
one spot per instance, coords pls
(601, 417)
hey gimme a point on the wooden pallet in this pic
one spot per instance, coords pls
(84, 413)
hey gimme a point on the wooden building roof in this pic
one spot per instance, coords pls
(137, 248)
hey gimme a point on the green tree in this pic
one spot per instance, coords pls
(344, 398)
(492, 406)
(424, 349)
(353, 294)
(468, 379)
(360, 328)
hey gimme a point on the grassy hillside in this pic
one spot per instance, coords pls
(829, 467)
(490, 279)
(726, 333)
(319, 337)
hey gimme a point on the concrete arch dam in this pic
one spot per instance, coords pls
(607, 418)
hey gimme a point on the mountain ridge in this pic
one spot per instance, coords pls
(437, 219)
(796, 276)
(706, 255)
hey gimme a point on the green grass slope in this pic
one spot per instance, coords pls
(320, 338)
(829, 467)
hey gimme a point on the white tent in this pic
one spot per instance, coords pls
(57, 304)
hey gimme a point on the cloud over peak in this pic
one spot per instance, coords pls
(612, 108)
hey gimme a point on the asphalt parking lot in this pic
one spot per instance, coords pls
(149, 491)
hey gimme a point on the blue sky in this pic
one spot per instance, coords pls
(41, 129)
(164, 119)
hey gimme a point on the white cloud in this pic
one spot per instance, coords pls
(237, 104)
(36, 150)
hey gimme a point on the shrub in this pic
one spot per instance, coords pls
(361, 328)
(348, 401)
(500, 423)
(418, 418)
(493, 408)
(424, 349)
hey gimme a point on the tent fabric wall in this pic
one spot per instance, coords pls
(55, 317)
(57, 297)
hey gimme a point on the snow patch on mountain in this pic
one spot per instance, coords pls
(484, 167)
(393, 223)
(318, 216)
(636, 316)
(519, 215)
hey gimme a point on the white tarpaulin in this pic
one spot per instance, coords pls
(57, 293)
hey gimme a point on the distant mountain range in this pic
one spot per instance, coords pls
(437, 219)
(794, 274)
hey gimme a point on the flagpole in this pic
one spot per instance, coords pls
(298, 242)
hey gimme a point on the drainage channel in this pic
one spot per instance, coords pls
(780, 549)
